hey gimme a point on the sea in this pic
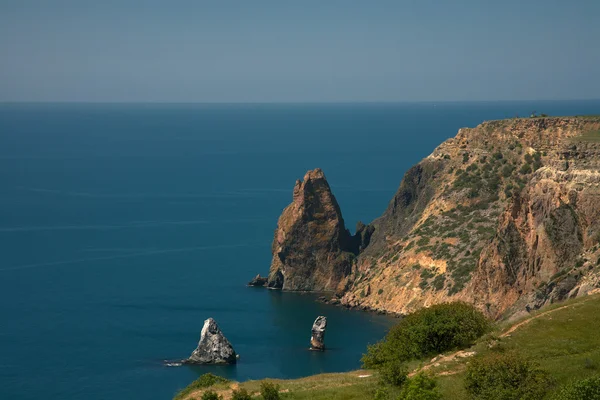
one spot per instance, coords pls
(124, 226)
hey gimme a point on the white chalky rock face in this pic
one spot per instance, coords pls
(317, 339)
(213, 347)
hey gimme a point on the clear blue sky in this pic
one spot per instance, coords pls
(271, 51)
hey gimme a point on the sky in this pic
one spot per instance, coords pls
(298, 51)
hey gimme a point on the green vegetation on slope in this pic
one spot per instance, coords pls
(427, 332)
(563, 339)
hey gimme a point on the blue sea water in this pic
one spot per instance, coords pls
(124, 226)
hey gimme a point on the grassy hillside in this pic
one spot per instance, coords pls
(562, 338)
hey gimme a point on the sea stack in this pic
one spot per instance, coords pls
(317, 338)
(213, 347)
(312, 249)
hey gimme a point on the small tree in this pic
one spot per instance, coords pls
(393, 373)
(269, 391)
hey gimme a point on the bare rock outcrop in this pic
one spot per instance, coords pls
(317, 338)
(312, 249)
(258, 281)
(213, 347)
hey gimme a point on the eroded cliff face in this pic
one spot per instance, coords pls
(312, 249)
(505, 215)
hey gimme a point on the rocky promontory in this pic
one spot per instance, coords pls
(505, 215)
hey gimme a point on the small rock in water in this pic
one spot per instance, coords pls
(317, 339)
(213, 347)
(258, 281)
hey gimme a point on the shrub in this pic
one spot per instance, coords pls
(426, 274)
(241, 394)
(420, 387)
(525, 169)
(428, 331)
(393, 373)
(208, 380)
(269, 391)
(203, 382)
(438, 282)
(423, 241)
(537, 161)
(505, 377)
(210, 395)
(381, 393)
(588, 389)
(507, 171)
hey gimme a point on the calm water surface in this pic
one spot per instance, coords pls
(123, 227)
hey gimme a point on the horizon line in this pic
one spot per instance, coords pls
(6, 102)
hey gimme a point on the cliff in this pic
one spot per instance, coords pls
(505, 215)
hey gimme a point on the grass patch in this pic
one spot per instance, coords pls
(348, 386)
(590, 136)
(203, 382)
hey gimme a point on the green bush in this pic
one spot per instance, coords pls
(423, 241)
(393, 373)
(203, 382)
(588, 389)
(420, 387)
(439, 281)
(210, 395)
(269, 391)
(241, 394)
(525, 169)
(507, 171)
(505, 377)
(428, 331)
(381, 393)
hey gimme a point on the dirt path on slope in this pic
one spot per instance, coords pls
(442, 359)
(525, 322)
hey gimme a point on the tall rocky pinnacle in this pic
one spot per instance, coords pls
(317, 337)
(213, 347)
(312, 249)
